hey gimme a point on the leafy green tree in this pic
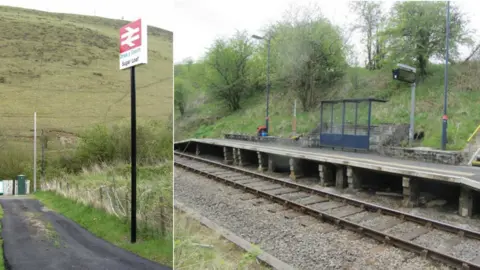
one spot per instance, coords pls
(228, 72)
(416, 32)
(310, 54)
(370, 19)
(180, 95)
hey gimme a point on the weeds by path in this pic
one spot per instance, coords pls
(111, 228)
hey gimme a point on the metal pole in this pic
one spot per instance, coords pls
(412, 116)
(268, 85)
(34, 151)
(445, 83)
(133, 229)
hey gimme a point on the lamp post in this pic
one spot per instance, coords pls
(408, 74)
(445, 82)
(268, 77)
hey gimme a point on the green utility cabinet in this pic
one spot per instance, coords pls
(21, 183)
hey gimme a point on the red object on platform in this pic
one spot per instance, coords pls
(445, 117)
(261, 128)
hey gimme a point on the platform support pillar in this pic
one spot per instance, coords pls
(326, 173)
(411, 192)
(354, 178)
(262, 161)
(295, 169)
(271, 164)
(235, 156)
(465, 202)
(241, 157)
(197, 149)
(227, 155)
(340, 177)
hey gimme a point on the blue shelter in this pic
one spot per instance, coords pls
(345, 134)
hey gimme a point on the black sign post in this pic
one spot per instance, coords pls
(133, 52)
(133, 208)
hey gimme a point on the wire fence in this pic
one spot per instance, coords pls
(154, 212)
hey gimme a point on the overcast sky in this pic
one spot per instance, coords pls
(198, 23)
(160, 15)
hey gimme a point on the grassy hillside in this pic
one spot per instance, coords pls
(65, 67)
(206, 118)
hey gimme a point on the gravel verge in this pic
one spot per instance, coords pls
(317, 246)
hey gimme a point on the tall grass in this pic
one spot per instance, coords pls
(197, 247)
(97, 173)
(107, 187)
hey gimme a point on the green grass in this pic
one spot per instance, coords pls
(463, 107)
(197, 247)
(2, 263)
(110, 228)
(65, 67)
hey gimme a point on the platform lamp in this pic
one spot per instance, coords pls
(268, 77)
(408, 74)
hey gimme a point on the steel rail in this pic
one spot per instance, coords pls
(324, 216)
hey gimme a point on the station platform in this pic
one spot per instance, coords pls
(463, 175)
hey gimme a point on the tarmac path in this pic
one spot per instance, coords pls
(37, 238)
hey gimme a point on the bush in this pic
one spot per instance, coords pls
(102, 144)
(14, 160)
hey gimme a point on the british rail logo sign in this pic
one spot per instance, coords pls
(133, 44)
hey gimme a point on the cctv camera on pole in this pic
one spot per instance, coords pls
(407, 74)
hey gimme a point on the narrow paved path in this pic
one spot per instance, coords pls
(36, 238)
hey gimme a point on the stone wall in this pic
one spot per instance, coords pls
(380, 135)
(425, 155)
(388, 135)
(383, 147)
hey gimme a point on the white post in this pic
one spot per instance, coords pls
(34, 151)
(294, 126)
(295, 108)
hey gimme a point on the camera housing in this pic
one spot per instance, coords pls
(404, 73)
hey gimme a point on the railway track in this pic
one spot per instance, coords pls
(338, 210)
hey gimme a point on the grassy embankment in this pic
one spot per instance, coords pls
(210, 119)
(197, 247)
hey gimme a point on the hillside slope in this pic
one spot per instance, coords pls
(65, 67)
(205, 119)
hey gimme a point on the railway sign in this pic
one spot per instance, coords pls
(133, 44)
(133, 52)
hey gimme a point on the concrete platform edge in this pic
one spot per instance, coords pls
(323, 158)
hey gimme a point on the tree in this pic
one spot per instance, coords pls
(310, 54)
(416, 32)
(369, 19)
(228, 72)
(180, 95)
